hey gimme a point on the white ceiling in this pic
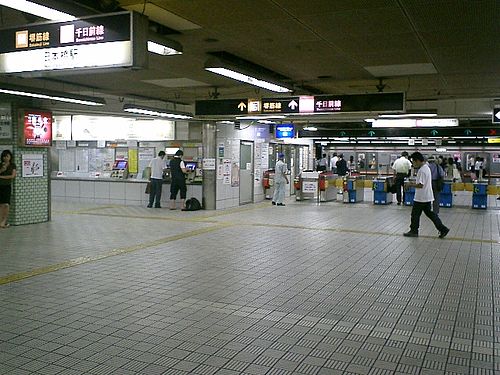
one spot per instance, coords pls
(432, 50)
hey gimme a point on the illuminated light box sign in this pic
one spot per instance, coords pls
(285, 131)
(114, 40)
(304, 105)
(37, 129)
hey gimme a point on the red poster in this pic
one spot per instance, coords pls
(37, 128)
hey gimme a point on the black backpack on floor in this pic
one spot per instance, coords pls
(192, 204)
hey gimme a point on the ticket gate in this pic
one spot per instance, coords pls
(327, 187)
(446, 194)
(480, 195)
(409, 194)
(268, 183)
(381, 190)
(354, 190)
(306, 185)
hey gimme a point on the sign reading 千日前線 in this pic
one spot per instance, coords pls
(112, 40)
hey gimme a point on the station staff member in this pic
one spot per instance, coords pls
(157, 166)
(280, 181)
(401, 167)
(423, 198)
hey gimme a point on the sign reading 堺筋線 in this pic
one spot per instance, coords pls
(104, 41)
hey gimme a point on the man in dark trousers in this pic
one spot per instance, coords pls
(342, 166)
(423, 198)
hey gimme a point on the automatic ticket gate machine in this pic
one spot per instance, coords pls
(409, 195)
(306, 185)
(381, 190)
(268, 183)
(327, 187)
(354, 190)
(480, 195)
(446, 194)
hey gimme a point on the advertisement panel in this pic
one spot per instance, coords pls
(37, 129)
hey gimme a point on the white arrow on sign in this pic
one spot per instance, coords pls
(498, 115)
(242, 106)
(293, 104)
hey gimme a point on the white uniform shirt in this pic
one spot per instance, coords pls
(333, 163)
(402, 165)
(157, 166)
(280, 171)
(424, 177)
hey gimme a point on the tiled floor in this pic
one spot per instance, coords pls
(302, 289)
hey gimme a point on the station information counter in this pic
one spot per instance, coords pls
(108, 190)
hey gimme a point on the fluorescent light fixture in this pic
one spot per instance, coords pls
(409, 115)
(37, 10)
(440, 149)
(163, 46)
(157, 112)
(235, 67)
(260, 117)
(415, 123)
(311, 128)
(50, 95)
(161, 49)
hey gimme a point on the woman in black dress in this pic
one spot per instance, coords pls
(178, 175)
(7, 175)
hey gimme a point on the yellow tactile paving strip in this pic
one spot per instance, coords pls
(124, 250)
(203, 218)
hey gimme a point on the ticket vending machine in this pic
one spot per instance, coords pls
(193, 172)
(120, 169)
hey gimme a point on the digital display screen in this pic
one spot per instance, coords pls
(120, 164)
(37, 129)
(285, 131)
(191, 165)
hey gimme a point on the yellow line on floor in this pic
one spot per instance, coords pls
(124, 250)
(206, 219)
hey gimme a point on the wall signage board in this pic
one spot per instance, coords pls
(285, 131)
(281, 105)
(496, 115)
(5, 121)
(380, 102)
(37, 129)
(222, 107)
(104, 41)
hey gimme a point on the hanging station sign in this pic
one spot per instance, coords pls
(105, 41)
(380, 102)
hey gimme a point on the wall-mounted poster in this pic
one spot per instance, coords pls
(32, 165)
(37, 129)
(5, 122)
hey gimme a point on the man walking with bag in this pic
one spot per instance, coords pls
(423, 198)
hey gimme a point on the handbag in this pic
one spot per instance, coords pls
(148, 188)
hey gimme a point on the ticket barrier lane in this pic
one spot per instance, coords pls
(446, 195)
(480, 195)
(306, 185)
(381, 190)
(327, 187)
(353, 188)
(268, 183)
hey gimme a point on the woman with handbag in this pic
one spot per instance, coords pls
(7, 175)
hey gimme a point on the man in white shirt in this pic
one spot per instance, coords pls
(157, 166)
(280, 181)
(401, 169)
(423, 198)
(333, 163)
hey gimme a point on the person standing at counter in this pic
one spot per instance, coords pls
(7, 175)
(178, 173)
(401, 167)
(423, 198)
(280, 181)
(157, 166)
